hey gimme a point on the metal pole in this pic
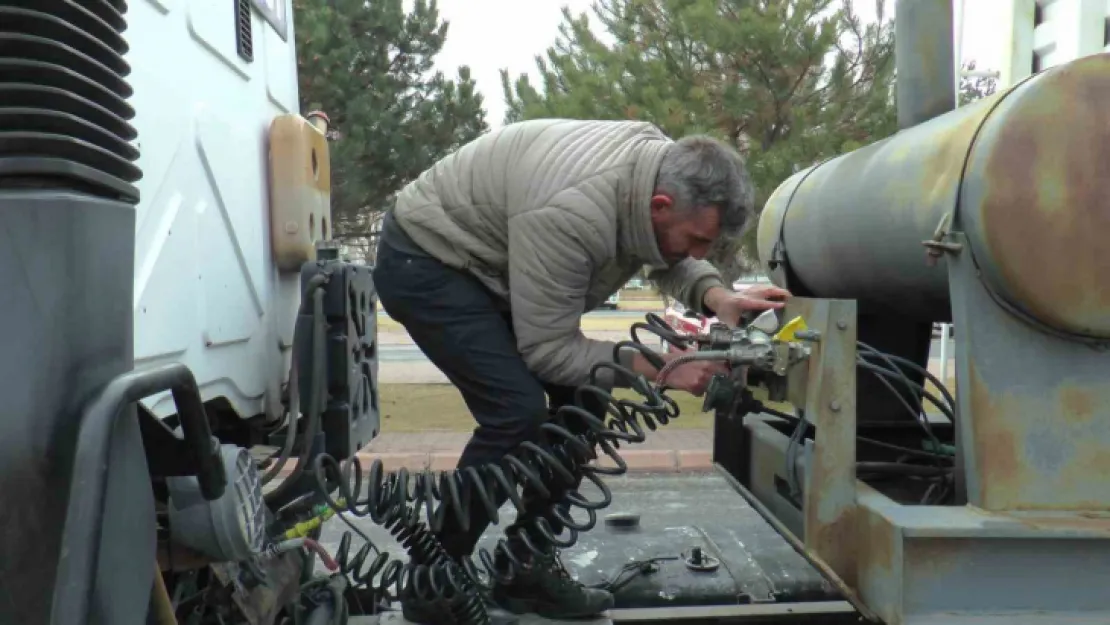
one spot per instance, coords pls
(945, 330)
(958, 44)
(923, 56)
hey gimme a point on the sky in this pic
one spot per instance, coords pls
(491, 35)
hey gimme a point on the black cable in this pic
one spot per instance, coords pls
(862, 439)
(659, 327)
(901, 468)
(319, 371)
(914, 387)
(549, 471)
(941, 386)
(919, 390)
(315, 284)
(905, 450)
(292, 414)
(355, 529)
(395, 501)
(632, 570)
(796, 438)
(918, 415)
(653, 357)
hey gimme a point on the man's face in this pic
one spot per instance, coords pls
(683, 234)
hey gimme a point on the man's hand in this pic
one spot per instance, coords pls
(730, 306)
(694, 377)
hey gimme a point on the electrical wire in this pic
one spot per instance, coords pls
(915, 388)
(902, 468)
(792, 448)
(293, 411)
(291, 415)
(669, 368)
(894, 359)
(412, 506)
(917, 415)
(862, 439)
(630, 572)
(659, 327)
(319, 353)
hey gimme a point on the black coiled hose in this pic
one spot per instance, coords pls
(429, 577)
(398, 500)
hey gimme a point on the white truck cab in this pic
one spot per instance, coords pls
(209, 80)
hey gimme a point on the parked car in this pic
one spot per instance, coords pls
(684, 322)
(938, 330)
(613, 303)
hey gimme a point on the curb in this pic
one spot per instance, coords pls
(637, 460)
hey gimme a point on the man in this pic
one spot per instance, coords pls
(492, 256)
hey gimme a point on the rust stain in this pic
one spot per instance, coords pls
(876, 553)
(830, 498)
(1076, 404)
(940, 173)
(1086, 522)
(933, 557)
(881, 543)
(997, 450)
(1099, 462)
(1046, 206)
(1086, 475)
(1005, 450)
(832, 543)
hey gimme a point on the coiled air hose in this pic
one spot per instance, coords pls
(397, 500)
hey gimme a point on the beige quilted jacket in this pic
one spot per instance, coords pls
(552, 215)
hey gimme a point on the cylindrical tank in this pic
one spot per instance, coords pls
(1022, 173)
(67, 239)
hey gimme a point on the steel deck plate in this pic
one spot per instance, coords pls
(677, 511)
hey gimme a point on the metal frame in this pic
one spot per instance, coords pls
(280, 23)
(816, 612)
(1039, 510)
(84, 520)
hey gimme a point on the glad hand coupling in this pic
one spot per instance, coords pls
(761, 353)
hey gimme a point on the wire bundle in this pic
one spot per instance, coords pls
(414, 505)
(939, 471)
(891, 370)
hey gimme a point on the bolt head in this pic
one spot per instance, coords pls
(834, 406)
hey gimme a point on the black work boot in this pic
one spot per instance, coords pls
(547, 589)
(422, 612)
(438, 611)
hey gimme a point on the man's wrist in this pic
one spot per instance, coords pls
(713, 297)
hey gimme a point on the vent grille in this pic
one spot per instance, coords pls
(64, 115)
(244, 33)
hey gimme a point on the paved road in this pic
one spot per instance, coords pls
(400, 353)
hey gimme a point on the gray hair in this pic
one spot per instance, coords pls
(699, 172)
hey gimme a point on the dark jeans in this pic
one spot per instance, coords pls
(460, 327)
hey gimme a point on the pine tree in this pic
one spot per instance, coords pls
(368, 65)
(976, 87)
(787, 82)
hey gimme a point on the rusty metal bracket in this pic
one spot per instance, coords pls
(937, 246)
(827, 393)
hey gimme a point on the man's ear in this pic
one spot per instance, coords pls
(661, 202)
